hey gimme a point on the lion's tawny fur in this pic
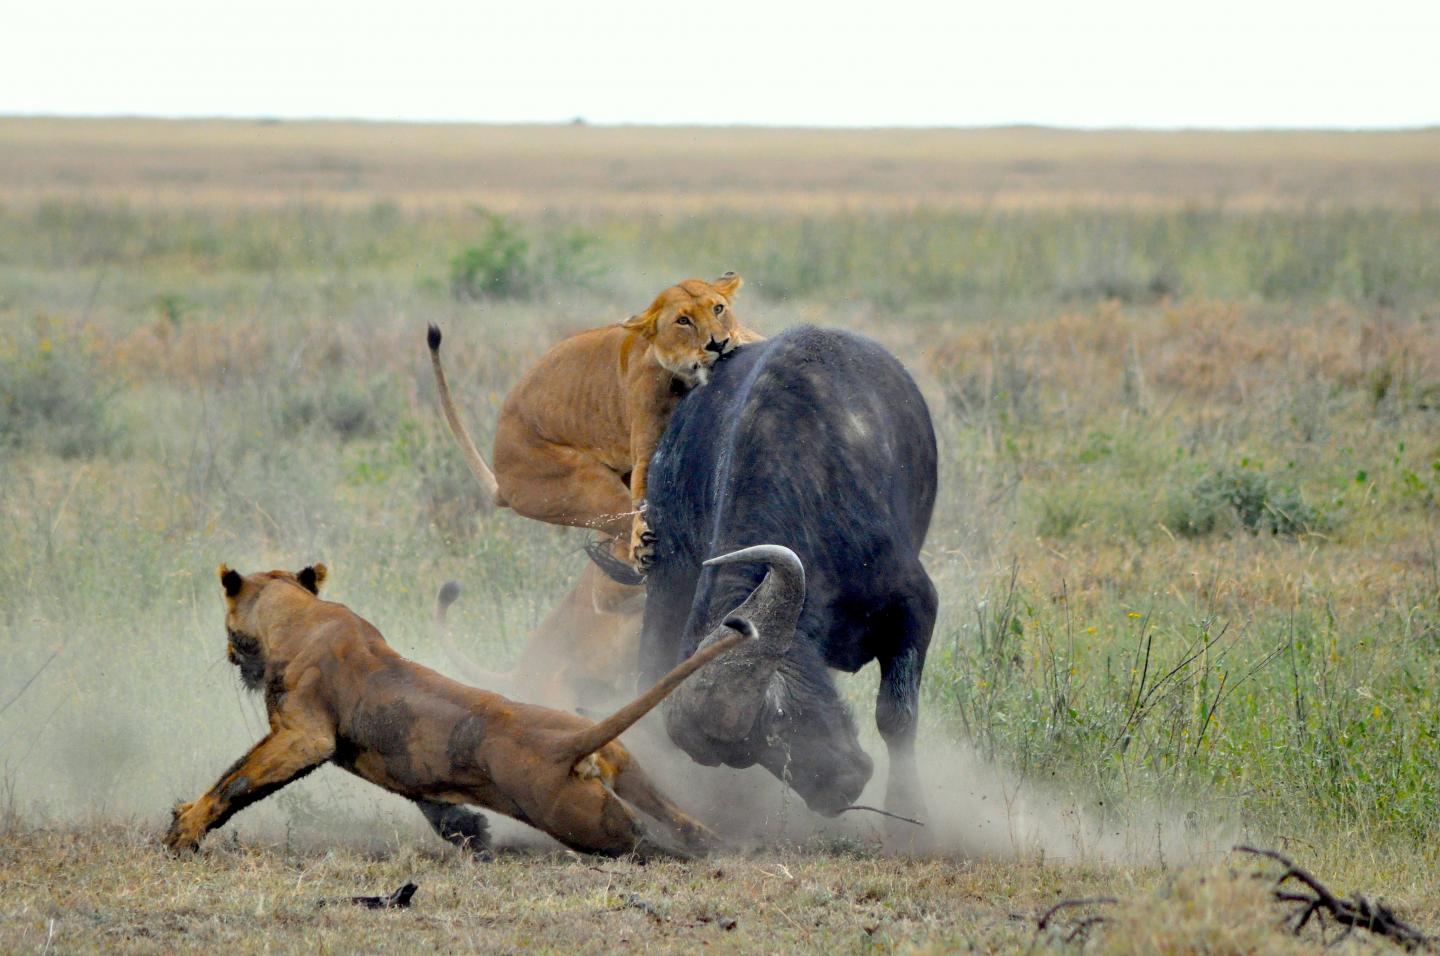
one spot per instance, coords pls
(336, 692)
(575, 435)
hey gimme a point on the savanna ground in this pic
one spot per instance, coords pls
(1187, 389)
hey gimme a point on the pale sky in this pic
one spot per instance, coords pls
(1211, 63)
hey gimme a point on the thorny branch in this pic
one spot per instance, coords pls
(883, 813)
(1357, 911)
(1081, 926)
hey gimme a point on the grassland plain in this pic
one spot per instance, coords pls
(1188, 396)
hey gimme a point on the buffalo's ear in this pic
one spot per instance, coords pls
(312, 577)
(230, 581)
(728, 284)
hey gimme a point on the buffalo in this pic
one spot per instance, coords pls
(815, 451)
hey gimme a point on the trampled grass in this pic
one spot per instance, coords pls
(108, 888)
(1186, 542)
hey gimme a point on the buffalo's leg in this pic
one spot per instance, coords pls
(897, 705)
(282, 757)
(458, 825)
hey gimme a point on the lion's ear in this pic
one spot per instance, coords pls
(644, 323)
(728, 284)
(230, 581)
(312, 577)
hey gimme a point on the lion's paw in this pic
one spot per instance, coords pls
(642, 543)
(184, 834)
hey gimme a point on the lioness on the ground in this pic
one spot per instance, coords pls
(336, 692)
(575, 435)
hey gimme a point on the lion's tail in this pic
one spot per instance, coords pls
(593, 738)
(478, 468)
(467, 668)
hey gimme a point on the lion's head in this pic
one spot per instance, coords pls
(691, 326)
(247, 597)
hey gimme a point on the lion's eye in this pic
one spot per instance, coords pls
(683, 320)
(719, 308)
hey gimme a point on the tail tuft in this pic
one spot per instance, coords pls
(432, 336)
(611, 566)
(449, 592)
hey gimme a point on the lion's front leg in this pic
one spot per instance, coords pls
(648, 424)
(283, 756)
(642, 541)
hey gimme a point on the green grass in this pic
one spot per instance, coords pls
(895, 260)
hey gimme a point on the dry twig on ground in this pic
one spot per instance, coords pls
(1082, 926)
(1357, 911)
(400, 899)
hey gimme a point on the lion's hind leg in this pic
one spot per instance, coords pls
(632, 785)
(562, 485)
(463, 827)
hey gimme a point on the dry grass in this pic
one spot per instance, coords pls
(227, 321)
(108, 888)
(634, 169)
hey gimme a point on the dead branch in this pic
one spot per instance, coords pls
(1352, 913)
(883, 813)
(635, 902)
(1049, 914)
(398, 900)
(26, 686)
(1082, 926)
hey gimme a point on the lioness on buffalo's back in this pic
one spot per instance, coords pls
(336, 692)
(575, 435)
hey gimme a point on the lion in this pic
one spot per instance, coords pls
(335, 692)
(575, 435)
(570, 659)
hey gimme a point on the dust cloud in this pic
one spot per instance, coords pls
(83, 744)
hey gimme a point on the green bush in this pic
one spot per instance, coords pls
(498, 266)
(53, 401)
(1245, 497)
(508, 264)
(342, 406)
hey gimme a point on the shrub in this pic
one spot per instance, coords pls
(1248, 497)
(340, 405)
(498, 266)
(508, 264)
(54, 401)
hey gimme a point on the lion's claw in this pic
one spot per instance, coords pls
(642, 542)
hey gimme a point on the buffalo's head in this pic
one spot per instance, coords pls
(770, 701)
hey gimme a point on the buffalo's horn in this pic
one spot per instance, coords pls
(723, 700)
(775, 605)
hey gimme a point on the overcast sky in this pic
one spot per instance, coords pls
(881, 63)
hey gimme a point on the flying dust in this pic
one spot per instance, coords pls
(97, 737)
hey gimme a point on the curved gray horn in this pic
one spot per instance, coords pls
(723, 700)
(779, 557)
